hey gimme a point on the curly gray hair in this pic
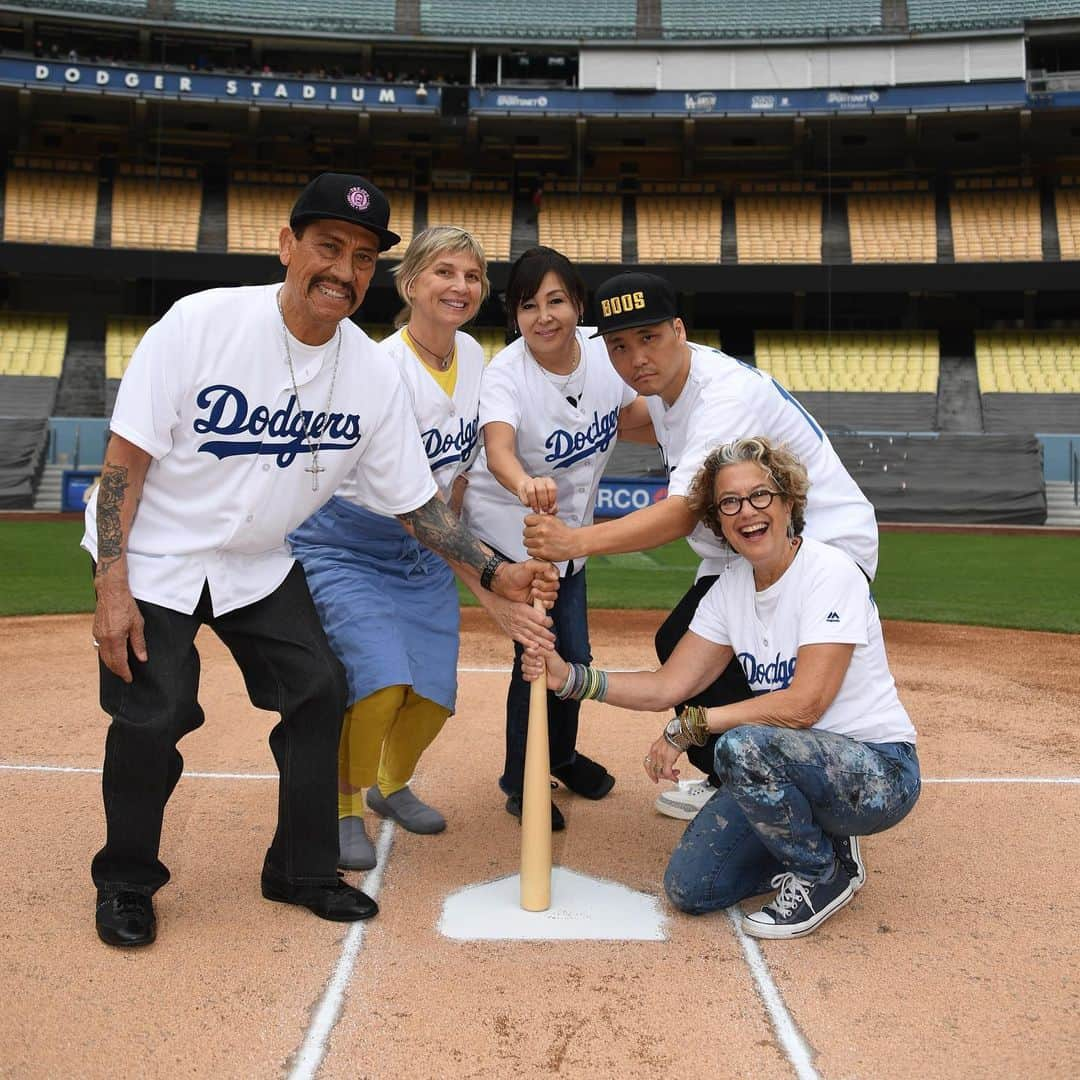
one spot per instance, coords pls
(783, 468)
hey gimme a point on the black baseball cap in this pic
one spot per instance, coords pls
(345, 197)
(634, 299)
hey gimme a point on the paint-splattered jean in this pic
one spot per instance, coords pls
(783, 794)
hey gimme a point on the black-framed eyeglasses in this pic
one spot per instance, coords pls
(730, 505)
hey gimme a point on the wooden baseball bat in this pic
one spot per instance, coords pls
(536, 803)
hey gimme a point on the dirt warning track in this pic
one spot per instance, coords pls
(958, 958)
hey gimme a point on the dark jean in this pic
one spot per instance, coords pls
(729, 686)
(288, 668)
(783, 794)
(570, 616)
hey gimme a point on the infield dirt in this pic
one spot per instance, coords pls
(959, 958)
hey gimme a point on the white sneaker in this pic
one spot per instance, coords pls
(685, 800)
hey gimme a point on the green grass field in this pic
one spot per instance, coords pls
(1027, 582)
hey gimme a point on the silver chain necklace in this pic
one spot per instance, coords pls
(559, 381)
(314, 468)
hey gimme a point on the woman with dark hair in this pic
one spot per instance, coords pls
(821, 753)
(551, 407)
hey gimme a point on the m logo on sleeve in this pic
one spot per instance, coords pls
(832, 617)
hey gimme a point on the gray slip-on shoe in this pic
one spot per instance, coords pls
(407, 810)
(355, 850)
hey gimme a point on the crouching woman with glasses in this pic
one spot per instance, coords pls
(823, 752)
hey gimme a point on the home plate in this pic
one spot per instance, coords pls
(582, 908)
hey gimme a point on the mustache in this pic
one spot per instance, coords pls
(343, 285)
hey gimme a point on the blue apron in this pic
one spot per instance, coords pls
(388, 605)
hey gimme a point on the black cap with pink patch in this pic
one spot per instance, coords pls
(344, 197)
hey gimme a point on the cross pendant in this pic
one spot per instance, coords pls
(314, 468)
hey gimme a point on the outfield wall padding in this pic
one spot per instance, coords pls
(1031, 412)
(973, 479)
(23, 442)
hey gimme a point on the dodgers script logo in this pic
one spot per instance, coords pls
(227, 413)
(767, 675)
(446, 448)
(568, 447)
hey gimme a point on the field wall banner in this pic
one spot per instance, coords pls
(177, 85)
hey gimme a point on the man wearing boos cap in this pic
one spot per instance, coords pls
(242, 411)
(698, 398)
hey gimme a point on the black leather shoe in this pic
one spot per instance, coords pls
(558, 822)
(125, 918)
(585, 777)
(338, 902)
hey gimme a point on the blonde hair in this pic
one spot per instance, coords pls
(784, 469)
(426, 247)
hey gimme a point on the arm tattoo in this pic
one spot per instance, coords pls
(111, 495)
(436, 527)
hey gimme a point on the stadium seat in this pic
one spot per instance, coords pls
(1028, 362)
(501, 18)
(585, 228)
(156, 212)
(122, 334)
(42, 207)
(256, 213)
(678, 229)
(32, 344)
(488, 216)
(892, 227)
(1067, 205)
(780, 228)
(362, 16)
(841, 362)
(782, 18)
(996, 226)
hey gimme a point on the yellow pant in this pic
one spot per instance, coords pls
(382, 738)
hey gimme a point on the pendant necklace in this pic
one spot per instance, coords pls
(562, 382)
(443, 361)
(313, 448)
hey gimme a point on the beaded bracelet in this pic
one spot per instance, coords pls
(583, 684)
(487, 571)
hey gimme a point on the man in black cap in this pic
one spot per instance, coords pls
(241, 412)
(699, 398)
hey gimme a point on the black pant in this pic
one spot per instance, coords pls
(288, 668)
(731, 685)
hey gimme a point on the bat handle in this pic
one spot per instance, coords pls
(536, 802)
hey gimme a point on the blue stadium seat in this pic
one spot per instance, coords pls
(782, 18)
(498, 18)
(363, 16)
(935, 14)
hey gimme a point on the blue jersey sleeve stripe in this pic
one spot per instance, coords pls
(805, 415)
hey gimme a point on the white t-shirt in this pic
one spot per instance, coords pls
(553, 438)
(449, 425)
(724, 399)
(822, 597)
(208, 396)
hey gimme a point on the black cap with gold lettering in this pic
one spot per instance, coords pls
(634, 299)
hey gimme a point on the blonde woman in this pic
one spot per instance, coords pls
(388, 604)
